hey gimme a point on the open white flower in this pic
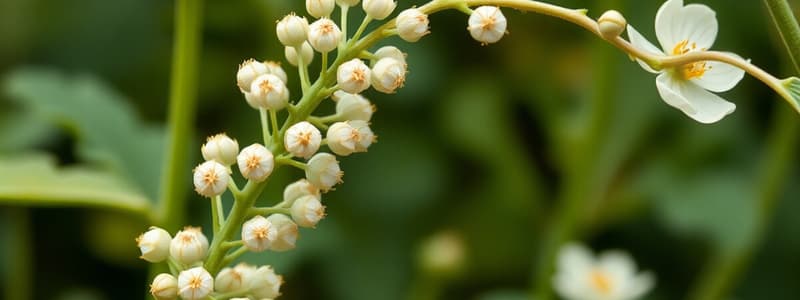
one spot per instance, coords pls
(610, 276)
(682, 29)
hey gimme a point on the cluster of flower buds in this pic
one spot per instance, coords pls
(197, 283)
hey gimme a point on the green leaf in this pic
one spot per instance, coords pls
(792, 85)
(34, 180)
(105, 127)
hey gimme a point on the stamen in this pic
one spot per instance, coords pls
(601, 282)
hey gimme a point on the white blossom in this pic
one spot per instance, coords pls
(287, 232)
(323, 171)
(189, 246)
(292, 30)
(324, 35)
(353, 76)
(487, 24)
(164, 287)
(195, 284)
(302, 139)
(611, 276)
(307, 211)
(320, 8)
(258, 234)
(220, 148)
(210, 179)
(378, 9)
(306, 53)
(353, 106)
(265, 284)
(256, 162)
(268, 91)
(248, 71)
(388, 75)
(154, 244)
(412, 25)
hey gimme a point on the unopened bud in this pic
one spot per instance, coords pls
(195, 284)
(353, 76)
(302, 139)
(299, 188)
(292, 30)
(487, 24)
(256, 162)
(324, 35)
(258, 234)
(154, 244)
(378, 9)
(220, 148)
(266, 284)
(306, 53)
(164, 287)
(353, 106)
(210, 179)
(307, 211)
(189, 246)
(388, 75)
(268, 92)
(611, 24)
(323, 171)
(287, 232)
(412, 25)
(320, 8)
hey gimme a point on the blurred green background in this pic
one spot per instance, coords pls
(484, 143)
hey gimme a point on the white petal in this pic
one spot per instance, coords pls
(694, 101)
(574, 258)
(720, 77)
(695, 23)
(637, 286)
(618, 264)
(640, 42)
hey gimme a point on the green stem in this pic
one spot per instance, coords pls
(18, 275)
(291, 162)
(236, 254)
(302, 69)
(787, 26)
(273, 117)
(343, 23)
(264, 211)
(265, 130)
(324, 67)
(361, 29)
(216, 213)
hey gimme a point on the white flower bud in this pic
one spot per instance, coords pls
(365, 135)
(302, 139)
(388, 75)
(487, 24)
(306, 52)
(298, 189)
(189, 246)
(353, 106)
(287, 232)
(390, 51)
(154, 244)
(275, 68)
(307, 211)
(249, 70)
(211, 179)
(323, 171)
(229, 280)
(164, 287)
(353, 76)
(320, 8)
(195, 284)
(324, 35)
(342, 138)
(611, 24)
(220, 148)
(292, 30)
(258, 234)
(265, 284)
(255, 162)
(268, 92)
(246, 272)
(378, 9)
(412, 25)
(347, 2)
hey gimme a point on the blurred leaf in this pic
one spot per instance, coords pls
(104, 125)
(505, 295)
(21, 130)
(34, 180)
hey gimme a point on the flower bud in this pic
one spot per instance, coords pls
(229, 280)
(249, 70)
(487, 24)
(306, 52)
(388, 75)
(443, 254)
(189, 246)
(353, 106)
(154, 244)
(246, 272)
(164, 287)
(342, 138)
(323, 171)
(210, 179)
(412, 25)
(195, 284)
(258, 234)
(307, 211)
(298, 189)
(292, 30)
(353, 76)
(320, 8)
(255, 162)
(347, 2)
(611, 24)
(302, 139)
(268, 92)
(265, 284)
(389, 51)
(287, 232)
(365, 135)
(324, 35)
(220, 148)
(274, 68)
(378, 9)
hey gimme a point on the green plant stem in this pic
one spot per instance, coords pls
(19, 273)
(787, 26)
(273, 117)
(302, 69)
(216, 214)
(265, 130)
(263, 211)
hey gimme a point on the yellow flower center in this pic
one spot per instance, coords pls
(601, 282)
(691, 70)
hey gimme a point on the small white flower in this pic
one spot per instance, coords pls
(487, 24)
(611, 276)
(306, 53)
(390, 51)
(680, 30)
(307, 211)
(195, 284)
(353, 76)
(412, 25)
(320, 8)
(324, 35)
(611, 24)
(164, 287)
(287, 232)
(220, 148)
(258, 234)
(265, 284)
(189, 246)
(347, 2)
(365, 135)
(298, 189)
(323, 171)
(275, 68)
(353, 106)
(302, 139)
(229, 280)
(378, 9)
(246, 272)
(255, 162)
(154, 244)
(388, 75)
(292, 30)
(342, 138)
(268, 92)
(211, 179)
(249, 70)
